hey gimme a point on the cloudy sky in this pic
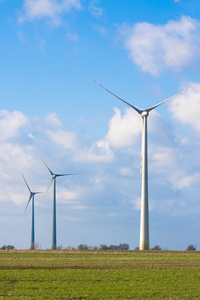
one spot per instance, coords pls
(143, 51)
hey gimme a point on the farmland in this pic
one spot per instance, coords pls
(99, 274)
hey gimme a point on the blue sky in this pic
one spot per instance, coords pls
(143, 51)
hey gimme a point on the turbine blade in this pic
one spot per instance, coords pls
(48, 187)
(135, 108)
(35, 193)
(151, 108)
(58, 175)
(26, 183)
(31, 195)
(45, 164)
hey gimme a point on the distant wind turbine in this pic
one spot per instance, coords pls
(53, 179)
(144, 219)
(32, 194)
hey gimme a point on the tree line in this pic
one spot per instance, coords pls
(117, 247)
(103, 247)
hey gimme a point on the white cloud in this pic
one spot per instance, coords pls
(16, 197)
(163, 158)
(42, 46)
(98, 183)
(52, 120)
(187, 181)
(169, 163)
(123, 130)
(177, 207)
(50, 9)
(95, 10)
(100, 28)
(11, 123)
(63, 138)
(111, 215)
(69, 196)
(126, 172)
(186, 108)
(52, 127)
(98, 152)
(155, 48)
(15, 156)
(73, 37)
(137, 203)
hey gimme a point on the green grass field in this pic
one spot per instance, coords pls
(99, 275)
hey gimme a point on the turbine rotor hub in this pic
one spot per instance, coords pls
(144, 113)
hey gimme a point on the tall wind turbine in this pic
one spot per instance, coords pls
(32, 194)
(144, 218)
(53, 179)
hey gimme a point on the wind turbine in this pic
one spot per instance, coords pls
(53, 179)
(144, 218)
(32, 194)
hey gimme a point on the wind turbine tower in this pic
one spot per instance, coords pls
(53, 179)
(32, 194)
(144, 218)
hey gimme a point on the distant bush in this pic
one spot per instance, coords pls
(70, 248)
(156, 247)
(103, 247)
(59, 247)
(82, 247)
(8, 247)
(190, 248)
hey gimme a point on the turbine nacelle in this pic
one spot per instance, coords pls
(144, 113)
